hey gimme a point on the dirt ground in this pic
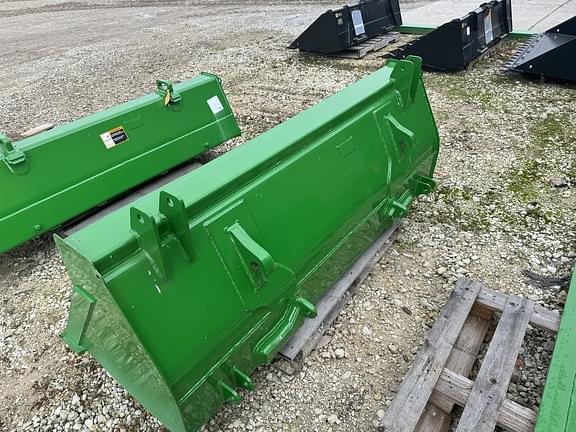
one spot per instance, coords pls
(494, 215)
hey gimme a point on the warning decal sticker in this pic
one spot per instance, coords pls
(114, 137)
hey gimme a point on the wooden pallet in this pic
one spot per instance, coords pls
(371, 45)
(438, 379)
(291, 357)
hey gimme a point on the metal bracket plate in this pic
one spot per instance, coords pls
(14, 158)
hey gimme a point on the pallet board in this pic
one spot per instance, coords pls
(303, 342)
(38, 129)
(438, 379)
(371, 45)
(490, 388)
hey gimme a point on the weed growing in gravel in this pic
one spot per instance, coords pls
(523, 181)
(558, 131)
(459, 207)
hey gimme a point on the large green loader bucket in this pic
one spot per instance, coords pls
(53, 177)
(181, 295)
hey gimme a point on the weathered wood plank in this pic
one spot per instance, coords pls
(511, 416)
(36, 130)
(482, 312)
(407, 407)
(541, 317)
(434, 420)
(489, 389)
(545, 319)
(374, 44)
(469, 342)
(306, 338)
(463, 355)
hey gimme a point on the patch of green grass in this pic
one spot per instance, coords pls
(469, 94)
(536, 212)
(554, 130)
(503, 80)
(450, 193)
(523, 181)
(460, 210)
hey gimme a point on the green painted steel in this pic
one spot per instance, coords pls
(558, 408)
(52, 177)
(415, 29)
(521, 34)
(181, 295)
(424, 29)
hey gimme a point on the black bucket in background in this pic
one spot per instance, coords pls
(454, 45)
(550, 54)
(336, 30)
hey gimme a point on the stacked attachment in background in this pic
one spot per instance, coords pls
(456, 44)
(52, 177)
(183, 293)
(550, 54)
(335, 31)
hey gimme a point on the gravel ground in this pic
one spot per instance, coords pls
(504, 205)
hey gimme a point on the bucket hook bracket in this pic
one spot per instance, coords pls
(14, 158)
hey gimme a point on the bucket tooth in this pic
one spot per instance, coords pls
(550, 54)
(229, 394)
(242, 380)
(307, 308)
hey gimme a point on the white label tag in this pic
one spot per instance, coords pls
(488, 32)
(215, 104)
(107, 140)
(358, 22)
